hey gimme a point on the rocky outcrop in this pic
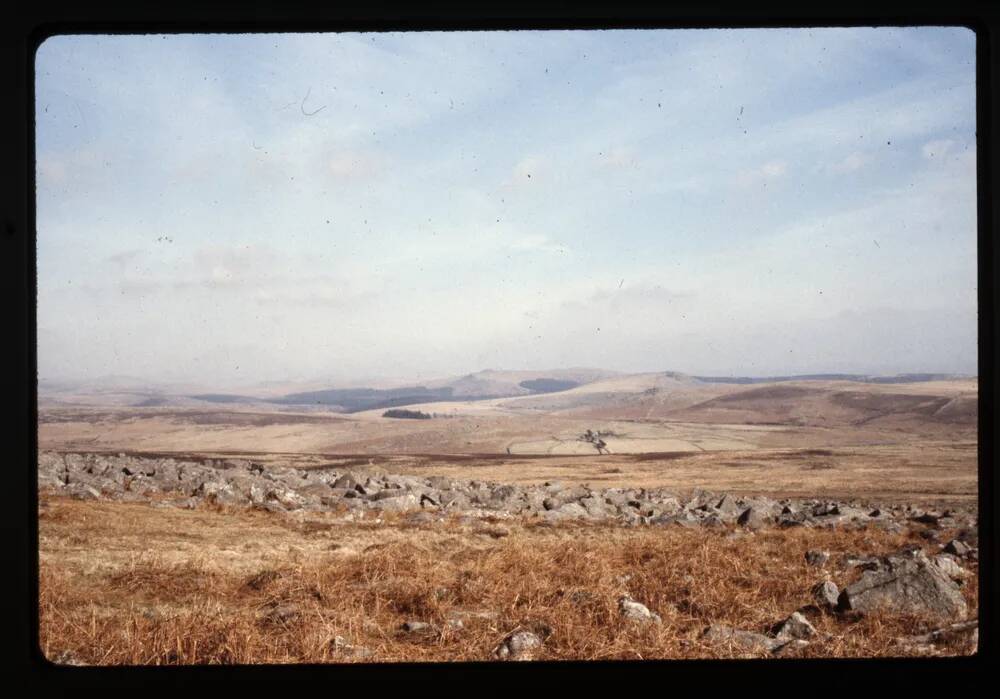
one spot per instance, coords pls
(241, 482)
(905, 583)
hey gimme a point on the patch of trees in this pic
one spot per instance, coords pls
(406, 414)
(357, 399)
(548, 385)
(223, 398)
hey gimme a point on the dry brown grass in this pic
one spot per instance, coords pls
(134, 584)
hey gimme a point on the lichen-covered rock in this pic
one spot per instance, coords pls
(947, 563)
(636, 611)
(795, 626)
(397, 503)
(826, 595)
(908, 583)
(722, 635)
(519, 645)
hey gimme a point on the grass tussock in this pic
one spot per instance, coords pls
(161, 586)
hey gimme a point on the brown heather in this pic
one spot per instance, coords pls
(209, 583)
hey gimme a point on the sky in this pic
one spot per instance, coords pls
(350, 206)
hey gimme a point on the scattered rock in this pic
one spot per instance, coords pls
(817, 558)
(753, 518)
(519, 645)
(792, 649)
(738, 639)
(419, 630)
(957, 548)
(795, 626)
(950, 566)
(569, 511)
(965, 635)
(340, 645)
(79, 491)
(415, 626)
(636, 611)
(280, 615)
(397, 503)
(68, 657)
(826, 595)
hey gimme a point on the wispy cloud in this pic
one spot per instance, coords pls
(760, 176)
(638, 200)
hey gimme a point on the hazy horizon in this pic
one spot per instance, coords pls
(237, 209)
(386, 381)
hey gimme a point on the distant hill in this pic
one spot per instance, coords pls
(501, 383)
(863, 378)
(643, 396)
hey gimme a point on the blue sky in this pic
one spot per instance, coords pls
(240, 208)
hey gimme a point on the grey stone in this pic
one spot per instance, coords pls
(596, 506)
(720, 634)
(68, 657)
(947, 563)
(388, 493)
(791, 649)
(215, 491)
(712, 521)
(419, 628)
(727, 506)
(817, 558)
(794, 519)
(79, 491)
(519, 645)
(340, 645)
(826, 594)
(454, 500)
(440, 482)
(905, 583)
(965, 634)
(795, 626)
(926, 518)
(890, 526)
(569, 511)
(957, 548)
(752, 518)
(348, 480)
(636, 611)
(398, 503)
